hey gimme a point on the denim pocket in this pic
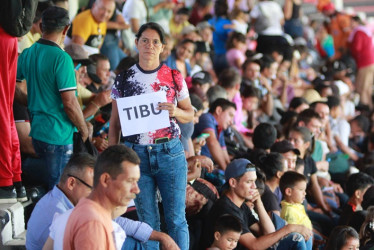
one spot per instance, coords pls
(49, 148)
(175, 150)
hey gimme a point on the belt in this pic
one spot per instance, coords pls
(161, 140)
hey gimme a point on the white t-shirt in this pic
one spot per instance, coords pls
(273, 13)
(133, 9)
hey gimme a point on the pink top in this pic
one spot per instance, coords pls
(232, 55)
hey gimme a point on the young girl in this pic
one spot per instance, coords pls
(236, 47)
(239, 21)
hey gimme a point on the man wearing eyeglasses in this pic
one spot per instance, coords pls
(241, 199)
(75, 183)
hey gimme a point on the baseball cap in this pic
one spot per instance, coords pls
(284, 147)
(203, 25)
(78, 54)
(188, 29)
(238, 167)
(55, 17)
(328, 7)
(202, 77)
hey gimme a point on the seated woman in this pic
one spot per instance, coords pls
(179, 59)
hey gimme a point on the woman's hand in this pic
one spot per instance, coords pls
(170, 107)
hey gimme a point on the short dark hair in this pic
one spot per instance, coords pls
(77, 164)
(183, 11)
(111, 159)
(223, 103)
(333, 101)
(314, 104)
(184, 41)
(229, 78)
(221, 8)
(289, 180)
(153, 26)
(266, 62)
(271, 164)
(358, 181)
(339, 236)
(307, 115)
(235, 36)
(264, 136)
(227, 222)
(196, 102)
(363, 122)
(251, 91)
(95, 58)
(248, 62)
(296, 102)
(125, 64)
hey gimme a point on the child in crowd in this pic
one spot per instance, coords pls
(293, 186)
(227, 232)
(236, 47)
(239, 21)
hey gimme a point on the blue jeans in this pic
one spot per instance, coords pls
(133, 244)
(55, 158)
(293, 240)
(163, 166)
(112, 51)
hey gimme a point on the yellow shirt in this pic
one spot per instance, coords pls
(27, 40)
(83, 94)
(176, 29)
(85, 26)
(295, 214)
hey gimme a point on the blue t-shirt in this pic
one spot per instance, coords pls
(220, 34)
(208, 122)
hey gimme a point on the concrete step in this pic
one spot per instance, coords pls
(12, 225)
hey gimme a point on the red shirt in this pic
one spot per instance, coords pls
(362, 49)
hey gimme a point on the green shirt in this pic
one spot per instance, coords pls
(317, 152)
(48, 71)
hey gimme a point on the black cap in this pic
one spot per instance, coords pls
(55, 17)
(284, 147)
(202, 77)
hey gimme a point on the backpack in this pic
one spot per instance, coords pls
(17, 16)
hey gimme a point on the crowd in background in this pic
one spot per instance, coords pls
(272, 110)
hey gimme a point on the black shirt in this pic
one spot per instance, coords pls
(309, 167)
(225, 206)
(270, 200)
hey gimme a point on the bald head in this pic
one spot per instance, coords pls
(102, 10)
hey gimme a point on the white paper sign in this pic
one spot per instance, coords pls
(139, 114)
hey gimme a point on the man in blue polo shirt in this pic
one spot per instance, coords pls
(52, 101)
(220, 117)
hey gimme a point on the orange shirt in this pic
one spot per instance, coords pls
(340, 30)
(89, 227)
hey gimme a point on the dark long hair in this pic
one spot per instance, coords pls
(339, 237)
(307, 137)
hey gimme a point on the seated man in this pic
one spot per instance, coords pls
(75, 183)
(256, 233)
(220, 117)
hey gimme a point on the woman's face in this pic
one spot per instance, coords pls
(298, 142)
(149, 45)
(351, 244)
(185, 51)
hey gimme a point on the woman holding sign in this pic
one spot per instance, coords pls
(163, 163)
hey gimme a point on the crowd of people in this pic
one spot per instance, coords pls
(270, 136)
